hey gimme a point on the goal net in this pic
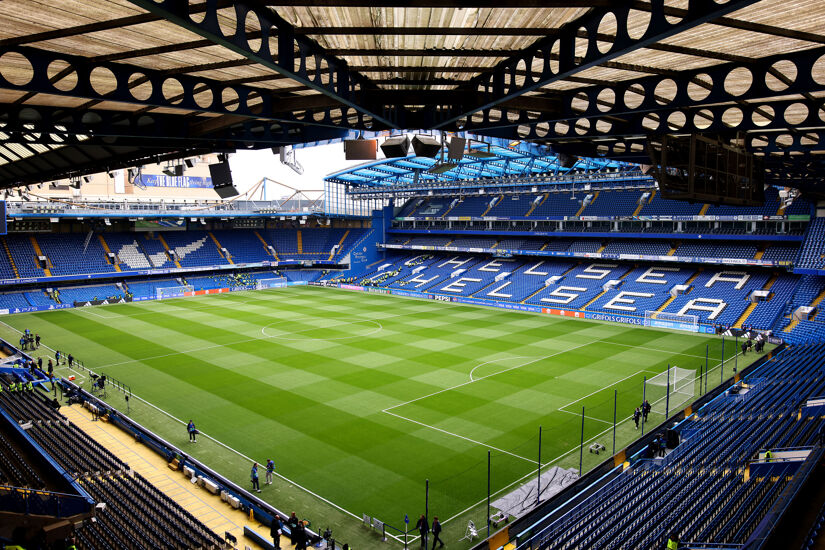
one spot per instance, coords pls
(669, 390)
(275, 282)
(174, 291)
(660, 319)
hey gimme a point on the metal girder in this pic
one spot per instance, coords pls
(73, 76)
(784, 143)
(501, 83)
(729, 117)
(692, 88)
(56, 125)
(423, 31)
(443, 3)
(279, 48)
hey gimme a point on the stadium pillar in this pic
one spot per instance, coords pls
(667, 395)
(615, 398)
(581, 446)
(644, 398)
(538, 473)
(488, 494)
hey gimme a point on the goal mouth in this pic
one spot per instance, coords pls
(174, 292)
(669, 390)
(661, 319)
(274, 282)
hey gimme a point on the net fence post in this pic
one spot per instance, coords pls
(644, 398)
(488, 493)
(722, 365)
(667, 394)
(538, 473)
(427, 499)
(707, 350)
(736, 355)
(581, 446)
(615, 399)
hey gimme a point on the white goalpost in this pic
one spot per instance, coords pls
(660, 319)
(173, 291)
(669, 390)
(275, 282)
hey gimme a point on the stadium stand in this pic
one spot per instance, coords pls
(23, 255)
(812, 255)
(135, 515)
(709, 489)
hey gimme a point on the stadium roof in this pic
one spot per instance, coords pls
(90, 85)
(492, 158)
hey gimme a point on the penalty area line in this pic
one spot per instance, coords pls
(459, 436)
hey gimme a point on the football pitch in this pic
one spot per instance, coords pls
(361, 397)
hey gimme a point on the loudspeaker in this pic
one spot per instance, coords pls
(222, 180)
(360, 149)
(189, 163)
(425, 146)
(396, 147)
(455, 150)
(179, 170)
(567, 161)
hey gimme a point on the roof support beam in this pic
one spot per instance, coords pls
(499, 84)
(279, 48)
(148, 88)
(760, 80)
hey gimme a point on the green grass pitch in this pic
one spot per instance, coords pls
(361, 397)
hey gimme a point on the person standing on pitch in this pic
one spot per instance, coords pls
(645, 409)
(193, 432)
(436, 532)
(254, 476)
(423, 529)
(270, 469)
(636, 416)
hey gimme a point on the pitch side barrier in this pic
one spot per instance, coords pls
(89, 303)
(263, 512)
(592, 315)
(163, 271)
(526, 532)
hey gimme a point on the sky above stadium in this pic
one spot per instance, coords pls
(249, 167)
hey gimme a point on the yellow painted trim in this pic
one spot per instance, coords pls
(266, 244)
(300, 242)
(218, 244)
(704, 210)
(791, 325)
(39, 252)
(208, 508)
(536, 205)
(168, 250)
(11, 260)
(106, 249)
(667, 303)
(340, 244)
(500, 198)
